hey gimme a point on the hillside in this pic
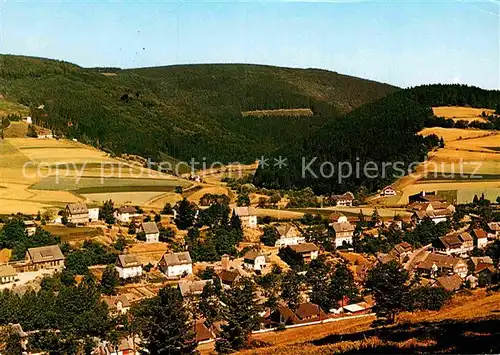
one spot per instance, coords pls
(384, 131)
(468, 324)
(182, 111)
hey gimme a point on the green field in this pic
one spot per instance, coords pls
(87, 185)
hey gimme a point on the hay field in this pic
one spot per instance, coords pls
(45, 174)
(468, 164)
(8, 107)
(461, 113)
(17, 129)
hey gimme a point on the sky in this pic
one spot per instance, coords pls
(405, 43)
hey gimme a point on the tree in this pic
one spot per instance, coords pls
(441, 143)
(375, 218)
(241, 313)
(165, 324)
(291, 284)
(291, 257)
(32, 132)
(167, 235)
(209, 304)
(106, 212)
(342, 285)
(186, 214)
(110, 279)
(243, 199)
(167, 209)
(317, 277)
(389, 285)
(11, 340)
(157, 218)
(178, 189)
(269, 237)
(235, 223)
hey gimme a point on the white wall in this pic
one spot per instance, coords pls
(179, 270)
(129, 272)
(152, 238)
(93, 214)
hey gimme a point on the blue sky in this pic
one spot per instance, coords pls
(404, 43)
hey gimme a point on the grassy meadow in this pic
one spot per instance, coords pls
(46, 174)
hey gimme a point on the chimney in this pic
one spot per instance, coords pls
(423, 193)
(225, 262)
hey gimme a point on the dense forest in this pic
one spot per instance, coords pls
(382, 131)
(181, 111)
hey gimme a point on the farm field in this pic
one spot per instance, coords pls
(469, 164)
(461, 113)
(9, 107)
(278, 112)
(46, 174)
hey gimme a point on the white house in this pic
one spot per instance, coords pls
(494, 230)
(125, 213)
(247, 216)
(457, 243)
(308, 251)
(344, 232)
(254, 260)
(151, 231)
(344, 200)
(7, 274)
(29, 228)
(388, 191)
(480, 237)
(288, 235)
(176, 264)
(128, 266)
(93, 214)
(117, 304)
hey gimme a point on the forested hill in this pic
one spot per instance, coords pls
(382, 131)
(182, 111)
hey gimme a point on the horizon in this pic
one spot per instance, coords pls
(398, 43)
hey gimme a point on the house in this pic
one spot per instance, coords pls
(305, 313)
(472, 280)
(247, 216)
(388, 191)
(192, 288)
(435, 264)
(126, 346)
(308, 251)
(344, 232)
(288, 235)
(337, 217)
(93, 214)
(77, 213)
(450, 283)
(479, 260)
(480, 237)
(29, 228)
(203, 333)
(228, 277)
(47, 257)
(494, 230)
(254, 260)
(151, 231)
(344, 200)
(7, 274)
(358, 308)
(128, 266)
(400, 253)
(176, 265)
(117, 304)
(456, 243)
(425, 196)
(125, 213)
(437, 216)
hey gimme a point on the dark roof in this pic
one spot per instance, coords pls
(45, 254)
(192, 287)
(441, 261)
(307, 310)
(347, 196)
(202, 332)
(77, 208)
(177, 258)
(150, 228)
(252, 254)
(228, 277)
(480, 233)
(128, 260)
(126, 209)
(455, 240)
(343, 227)
(304, 248)
(244, 211)
(450, 283)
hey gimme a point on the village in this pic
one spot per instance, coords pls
(198, 248)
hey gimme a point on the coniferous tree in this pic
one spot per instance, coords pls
(342, 285)
(389, 285)
(106, 212)
(110, 279)
(241, 315)
(165, 324)
(186, 214)
(291, 284)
